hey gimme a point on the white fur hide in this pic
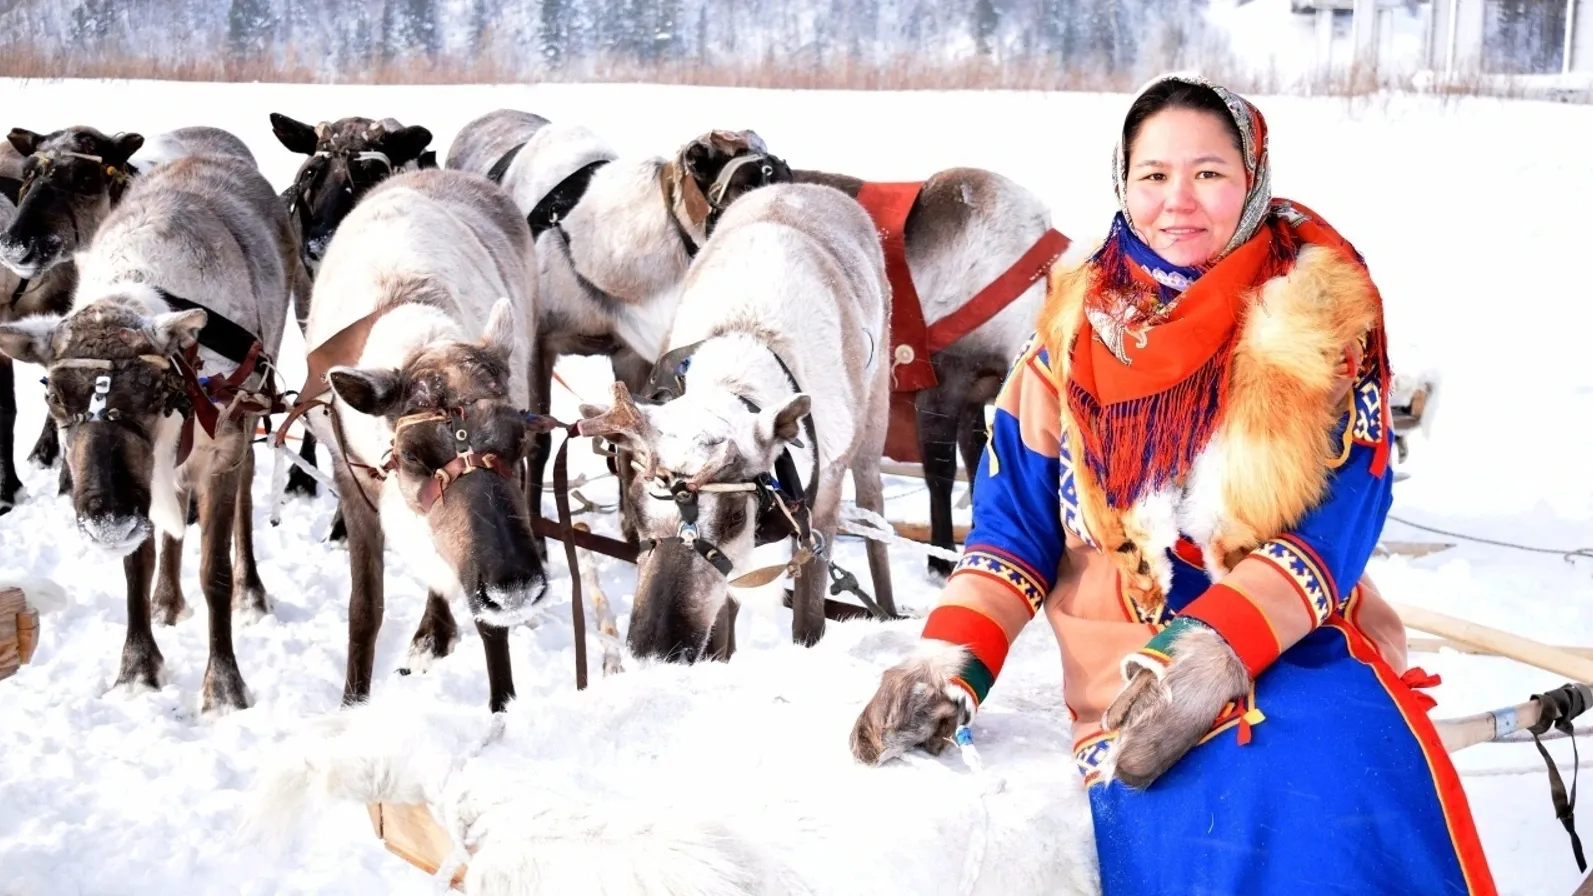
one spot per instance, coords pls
(715, 780)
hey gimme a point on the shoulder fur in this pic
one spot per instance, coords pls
(1284, 393)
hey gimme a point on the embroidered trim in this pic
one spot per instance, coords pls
(1068, 493)
(1090, 754)
(1304, 571)
(1369, 421)
(988, 563)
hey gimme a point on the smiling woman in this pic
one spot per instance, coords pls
(1207, 396)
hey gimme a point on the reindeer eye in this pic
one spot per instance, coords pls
(409, 457)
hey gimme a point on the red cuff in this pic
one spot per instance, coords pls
(1240, 623)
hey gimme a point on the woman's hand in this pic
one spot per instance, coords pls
(1185, 677)
(917, 705)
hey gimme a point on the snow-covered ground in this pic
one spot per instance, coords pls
(1465, 211)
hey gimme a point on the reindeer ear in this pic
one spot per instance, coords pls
(404, 145)
(367, 390)
(122, 148)
(175, 331)
(24, 140)
(784, 424)
(297, 136)
(498, 337)
(30, 340)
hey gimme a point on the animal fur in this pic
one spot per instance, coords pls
(451, 258)
(917, 705)
(793, 271)
(1264, 466)
(205, 227)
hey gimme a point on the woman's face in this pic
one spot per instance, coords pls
(1186, 185)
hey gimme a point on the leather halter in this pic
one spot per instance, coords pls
(465, 460)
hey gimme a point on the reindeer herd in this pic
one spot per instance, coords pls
(769, 330)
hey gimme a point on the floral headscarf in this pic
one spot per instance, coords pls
(1258, 167)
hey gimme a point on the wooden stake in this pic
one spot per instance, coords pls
(1533, 653)
(605, 613)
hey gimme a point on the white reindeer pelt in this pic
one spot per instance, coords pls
(716, 780)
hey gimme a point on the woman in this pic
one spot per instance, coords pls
(1188, 472)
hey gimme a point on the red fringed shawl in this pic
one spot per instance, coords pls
(1142, 424)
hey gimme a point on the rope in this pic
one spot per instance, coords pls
(868, 524)
(973, 862)
(1567, 554)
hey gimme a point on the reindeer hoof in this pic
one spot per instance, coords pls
(251, 606)
(424, 651)
(170, 612)
(224, 691)
(302, 483)
(143, 670)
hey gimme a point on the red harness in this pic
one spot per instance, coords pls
(912, 343)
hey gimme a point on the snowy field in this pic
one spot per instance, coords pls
(1466, 212)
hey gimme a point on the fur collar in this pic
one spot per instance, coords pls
(1270, 457)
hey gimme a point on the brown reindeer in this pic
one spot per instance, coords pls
(65, 184)
(206, 291)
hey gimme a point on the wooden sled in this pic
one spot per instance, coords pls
(19, 631)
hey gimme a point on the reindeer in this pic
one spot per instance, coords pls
(774, 362)
(67, 181)
(614, 237)
(429, 379)
(346, 158)
(140, 429)
(966, 250)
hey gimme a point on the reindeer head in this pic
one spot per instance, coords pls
(703, 461)
(720, 167)
(70, 180)
(112, 390)
(346, 158)
(457, 445)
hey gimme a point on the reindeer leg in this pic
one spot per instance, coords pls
(870, 491)
(722, 638)
(143, 668)
(48, 447)
(248, 593)
(541, 388)
(300, 482)
(813, 584)
(434, 638)
(365, 563)
(224, 690)
(169, 606)
(939, 410)
(10, 483)
(500, 678)
(972, 436)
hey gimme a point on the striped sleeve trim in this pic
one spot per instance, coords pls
(999, 566)
(1305, 572)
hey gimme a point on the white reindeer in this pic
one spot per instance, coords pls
(775, 347)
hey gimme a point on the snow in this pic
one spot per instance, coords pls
(1464, 209)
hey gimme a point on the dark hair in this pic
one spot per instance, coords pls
(1177, 95)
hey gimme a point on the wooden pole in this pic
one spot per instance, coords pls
(1433, 645)
(1533, 653)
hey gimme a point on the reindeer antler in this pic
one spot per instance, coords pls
(723, 456)
(623, 418)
